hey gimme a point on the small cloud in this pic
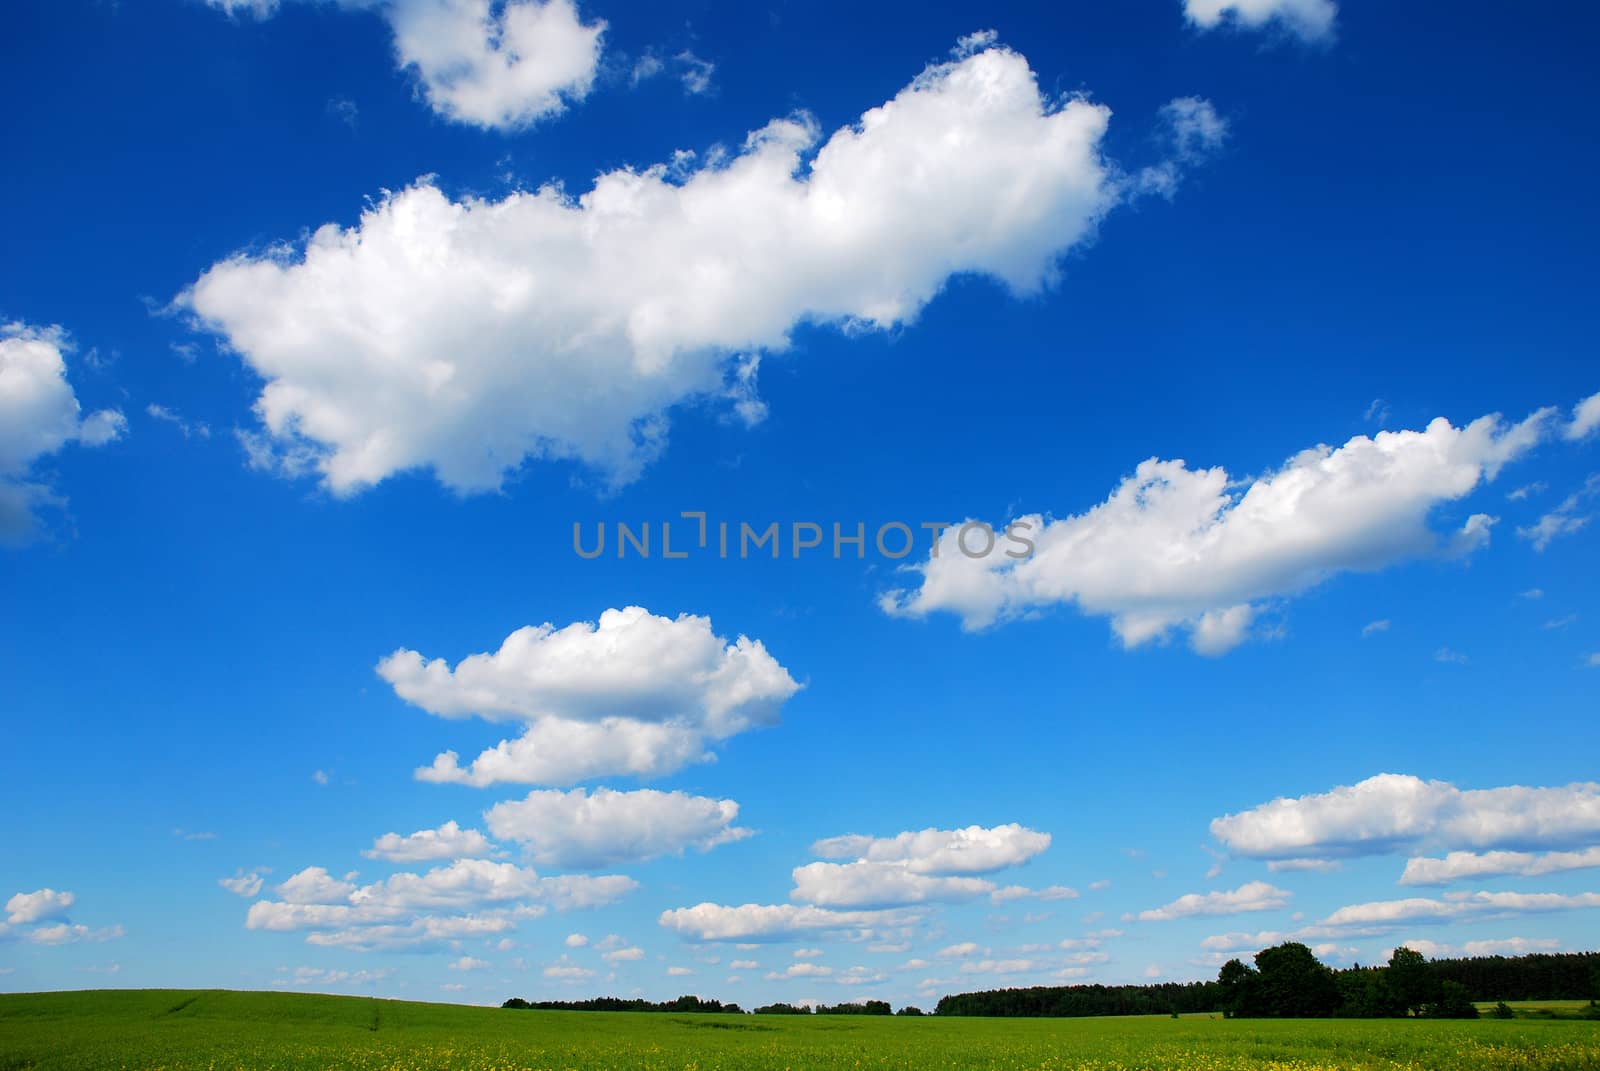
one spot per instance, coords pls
(576, 940)
(189, 430)
(320, 776)
(694, 73)
(344, 110)
(1533, 593)
(1450, 657)
(184, 834)
(1537, 488)
(1378, 412)
(1593, 661)
(243, 883)
(1372, 628)
(1561, 622)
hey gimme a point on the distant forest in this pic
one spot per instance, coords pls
(1289, 981)
(1286, 981)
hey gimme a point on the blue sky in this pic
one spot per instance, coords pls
(1273, 321)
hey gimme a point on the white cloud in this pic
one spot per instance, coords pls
(577, 940)
(744, 965)
(628, 954)
(1285, 866)
(39, 415)
(1564, 519)
(929, 865)
(959, 951)
(1457, 866)
(1020, 892)
(449, 841)
(1198, 550)
(867, 884)
(466, 898)
(64, 933)
(1252, 896)
(581, 830)
(468, 336)
(502, 66)
(326, 976)
(243, 883)
(801, 970)
(679, 972)
(470, 963)
(565, 971)
(973, 850)
(1585, 418)
(188, 429)
(38, 906)
(776, 922)
(1511, 946)
(1385, 913)
(693, 73)
(1393, 811)
(1310, 20)
(636, 694)
(1374, 627)
(314, 885)
(999, 966)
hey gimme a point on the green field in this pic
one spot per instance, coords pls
(223, 1031)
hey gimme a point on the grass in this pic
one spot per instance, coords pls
(145, 1030)
(1543, 1009)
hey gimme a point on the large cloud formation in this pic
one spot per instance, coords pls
(39, 414)
(925, 866)
(1198, 550)
(604, 828)
(636, 694)
(1394, 812)
(497, 65)
(466, 898)
(467, 336)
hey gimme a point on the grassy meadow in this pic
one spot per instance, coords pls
(225, 1031)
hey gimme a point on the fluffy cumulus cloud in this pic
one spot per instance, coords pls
(1251, 896)
(1200, 551)
(1393, 812)
(930, 865)
(589, 830)
(1310, 20)
(497, 65)
(779, 922)
(39, 415)
(40, 917)
(466, 898)
(973, 850)
(1459, 866)
(467, 336)
(449, 841)
(38, 906)
(634, 694)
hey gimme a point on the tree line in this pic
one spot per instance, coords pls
(1286, 981)
(1289, 981)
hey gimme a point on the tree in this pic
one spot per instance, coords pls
(1412, 980)
(1294, 984)
(1237, 984)
(1454, 1002)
